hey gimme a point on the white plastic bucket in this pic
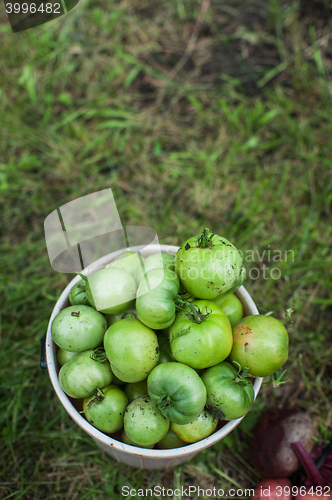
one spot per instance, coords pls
(132, 455)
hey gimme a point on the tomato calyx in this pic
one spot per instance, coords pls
(204, 239)
(194, 314)
(99, 355)
(242, 378)
(165, 402)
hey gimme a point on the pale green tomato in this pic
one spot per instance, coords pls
(105, 410)
(158, 260)
(78, 328)
(231, 306)
(77, 294)
(126, 440)
(136, 390)
(208, 265)
(111, 291)
(132, 349)
(65, 356)
(203, 340)
(155, 304)
(128, 261)
(144, 423)
(196, 430)
(82, 375)
(113, 318)
(171, 440)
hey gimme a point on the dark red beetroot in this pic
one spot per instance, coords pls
(318, 466)
(271, 452)
(273, 489)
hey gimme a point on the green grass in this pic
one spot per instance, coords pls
(238, 140)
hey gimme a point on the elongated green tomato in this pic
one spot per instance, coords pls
(111, 291)
(136, 390)
(198, 429)
(155, 303)
(201, 335)
(128, 261)
(261, 343)
(78, 328)
(132, 349)
(229, 395)
(126, 440)
(231, 306)
(113, 318)
(144, 424)
(158, 260)
(77, 294)
(171, 440)
(105, 409)
(208, 265)
(81, 376)
(177, 391)
(65, 356)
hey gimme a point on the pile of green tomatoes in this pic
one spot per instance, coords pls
(158, 350)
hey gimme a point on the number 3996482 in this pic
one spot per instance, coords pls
(32, 8)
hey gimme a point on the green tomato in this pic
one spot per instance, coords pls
(261, 344)
(208, 265)
(198, 429)
(155, 261)
(105, 410)
(171, 440)
(144, 424)
(111, 291)
(136, 390)
(177, 391)
(65, 356)
(78, 328)
(113, 318)
(228, 397)
(132, 349)
(155, 304)
(81, 376)
(231, 306)
(126, 440)
(77, 294)
(201, 335)
(165, 353)
(128, 261)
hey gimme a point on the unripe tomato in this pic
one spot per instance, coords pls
(78, 328)
(105, 410)
(84, 374)
(111, 291)
(261, 343)
(144, 423)
(132, 349)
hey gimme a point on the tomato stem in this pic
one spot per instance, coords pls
(242, 378)
(165, 402)
(99, 355)
(204, 239)
(195, 315)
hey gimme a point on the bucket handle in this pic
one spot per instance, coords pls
(43, 363)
